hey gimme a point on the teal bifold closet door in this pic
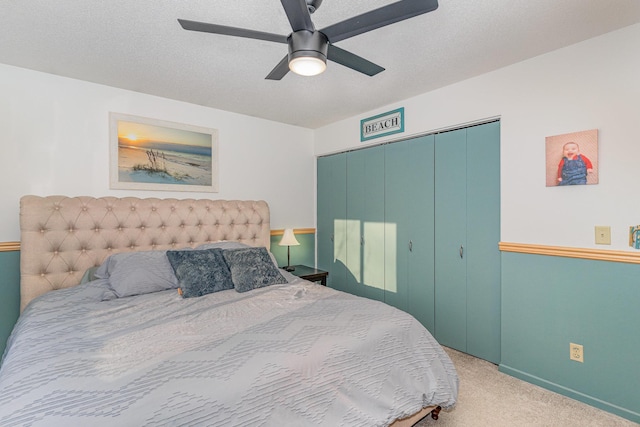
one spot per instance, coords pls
(483, 236)
(365, 222)
(409, 219)
(467, 232)
(332, 218)
(451, 239)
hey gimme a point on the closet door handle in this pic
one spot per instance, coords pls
(332, 237)
(461, 251)
(410, 246)
(361, 240)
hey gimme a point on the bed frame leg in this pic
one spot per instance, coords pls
(435, 413)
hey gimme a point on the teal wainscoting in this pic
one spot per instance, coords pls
(549, 302)
(304, 254)
(10, 296)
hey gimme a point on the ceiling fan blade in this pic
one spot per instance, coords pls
(230, 31)
(298, 14)
(378, 18)
(280, 70)
(353, 61)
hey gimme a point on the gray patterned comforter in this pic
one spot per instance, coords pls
(286, 355)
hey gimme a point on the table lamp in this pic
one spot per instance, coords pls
(288, 240)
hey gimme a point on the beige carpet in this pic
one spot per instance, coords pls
(490, 398)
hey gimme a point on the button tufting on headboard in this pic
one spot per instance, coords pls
(55, 230)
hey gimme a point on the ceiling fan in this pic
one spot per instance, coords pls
(309, 48)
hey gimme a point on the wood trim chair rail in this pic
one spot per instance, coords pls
(9, 246)
(563, 251)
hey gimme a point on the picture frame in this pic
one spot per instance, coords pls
(572, 159)
(150, 154)
(380, 125)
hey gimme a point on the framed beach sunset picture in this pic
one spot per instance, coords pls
(149, 154)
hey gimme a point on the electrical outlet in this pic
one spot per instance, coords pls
(576, 352)
(603, 235)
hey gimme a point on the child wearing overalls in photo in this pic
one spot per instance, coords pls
(573, 167)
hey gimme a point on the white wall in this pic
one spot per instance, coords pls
(54, 139)
(591, 85)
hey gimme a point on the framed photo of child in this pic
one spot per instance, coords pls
(572, 158)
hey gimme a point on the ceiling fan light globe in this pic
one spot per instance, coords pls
(307, 65)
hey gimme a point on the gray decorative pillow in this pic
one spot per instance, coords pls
(200, 272)
(252, 268)
(135, 273)
(228, 244)
(223, 244)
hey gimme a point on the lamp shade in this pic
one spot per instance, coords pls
(288, 238)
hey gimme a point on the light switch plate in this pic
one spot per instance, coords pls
(603, 235)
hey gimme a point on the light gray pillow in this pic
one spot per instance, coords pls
(102, 285)
(89, 275)
(200, 272)
(135, 273)
(252, 268)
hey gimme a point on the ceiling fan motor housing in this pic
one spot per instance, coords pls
(309, 44)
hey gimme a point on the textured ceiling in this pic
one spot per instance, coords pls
(138, 45)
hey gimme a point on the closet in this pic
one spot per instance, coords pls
(416, 224)
(365, 223)
(409, 232)
(467, 232)
(331, 219)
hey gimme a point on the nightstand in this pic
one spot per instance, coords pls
(311, 274)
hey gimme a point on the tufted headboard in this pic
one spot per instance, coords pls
(61, 237)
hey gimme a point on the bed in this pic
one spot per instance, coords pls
(129, 349)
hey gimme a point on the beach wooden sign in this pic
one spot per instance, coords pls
(149, 154)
